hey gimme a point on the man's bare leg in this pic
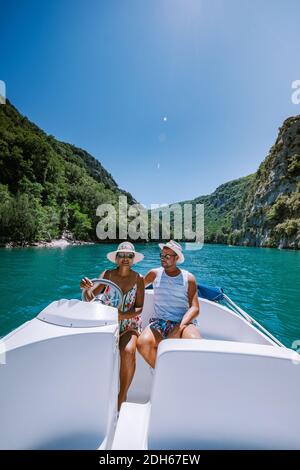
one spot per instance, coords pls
(147, 345)
(189, 332)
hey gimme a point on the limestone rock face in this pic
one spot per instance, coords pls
(262, 209)
(269, 214)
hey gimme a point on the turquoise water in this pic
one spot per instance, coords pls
(265, 282)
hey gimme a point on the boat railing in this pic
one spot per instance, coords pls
(251, 320)
(217, 294)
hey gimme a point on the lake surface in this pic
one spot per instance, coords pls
(264, 282)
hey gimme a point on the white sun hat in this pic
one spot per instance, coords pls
(125, 247)
(176, 247)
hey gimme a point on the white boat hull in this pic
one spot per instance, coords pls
(234, 389)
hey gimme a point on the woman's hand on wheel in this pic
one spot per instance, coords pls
(85, 283)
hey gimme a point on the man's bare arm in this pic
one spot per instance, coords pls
(150, 276)
(194, 307)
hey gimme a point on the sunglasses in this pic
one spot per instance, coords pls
(125, 255)
(167, 256)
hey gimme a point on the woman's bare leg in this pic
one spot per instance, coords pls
(127, 345)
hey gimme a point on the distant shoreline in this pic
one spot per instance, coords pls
(56, 243)
(64, 243)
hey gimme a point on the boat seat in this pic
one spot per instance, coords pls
(216, 395)
(215, 322)
(224, 395)
(133, 417)
(59, 386)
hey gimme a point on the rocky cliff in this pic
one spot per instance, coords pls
(262, 209)
(269, 213)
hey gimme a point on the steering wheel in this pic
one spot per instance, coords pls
(113, 298)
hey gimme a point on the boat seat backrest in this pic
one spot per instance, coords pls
(56, 393)
(224, 395)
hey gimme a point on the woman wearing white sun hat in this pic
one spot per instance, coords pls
(130, 324)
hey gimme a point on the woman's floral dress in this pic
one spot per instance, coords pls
(128, 324)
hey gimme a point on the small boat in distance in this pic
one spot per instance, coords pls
(237, 388)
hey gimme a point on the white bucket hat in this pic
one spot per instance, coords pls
(176, 247)
(125, 247)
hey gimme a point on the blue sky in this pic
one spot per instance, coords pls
(174, 97)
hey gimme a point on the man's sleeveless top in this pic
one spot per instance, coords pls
(170, 295)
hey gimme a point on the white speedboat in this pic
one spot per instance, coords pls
(237, 388)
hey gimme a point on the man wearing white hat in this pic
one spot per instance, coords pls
(176, 304)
